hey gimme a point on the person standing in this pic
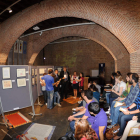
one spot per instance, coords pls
(74, 79)
(49, 80)
(64, 75)
(56, 89)
(43, 88)
(81, 81)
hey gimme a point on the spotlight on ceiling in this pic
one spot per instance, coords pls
(9, 9)
(44, 58)
(40, 33)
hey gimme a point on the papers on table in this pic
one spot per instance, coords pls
(122, 109)
(118, 104)
(134, 131)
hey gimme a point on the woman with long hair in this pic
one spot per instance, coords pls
(83, 131)
(74, 81)
(81, 81)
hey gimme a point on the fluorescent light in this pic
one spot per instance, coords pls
(36, 28)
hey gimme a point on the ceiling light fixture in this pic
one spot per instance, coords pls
(9, 9)
(36, 28)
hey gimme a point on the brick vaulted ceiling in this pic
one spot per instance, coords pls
(128, 8)
(49, 23)
(120, 17)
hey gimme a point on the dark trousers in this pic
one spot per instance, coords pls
(123, 119)
(45, 96)
(64, 90)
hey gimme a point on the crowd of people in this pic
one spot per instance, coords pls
(89, 121)
(123, 100)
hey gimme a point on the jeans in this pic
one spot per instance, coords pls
(107, 97)
(56, 95)
(45, 96)
(115, 112)
(72, 123)
(50, 99)
(123, 119)
(111, 100)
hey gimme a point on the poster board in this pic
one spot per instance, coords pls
(33, 83)
(16, 97)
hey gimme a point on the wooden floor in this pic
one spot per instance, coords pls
(56, 117)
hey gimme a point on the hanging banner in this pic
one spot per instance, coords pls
(16, 46)
(20, 46)
(24, 47)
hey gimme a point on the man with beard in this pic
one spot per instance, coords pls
(130, 99)
(100, 119)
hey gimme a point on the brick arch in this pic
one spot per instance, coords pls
(106, 15)
(94, 32)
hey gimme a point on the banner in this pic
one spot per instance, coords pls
(20, 46)
(16, 46)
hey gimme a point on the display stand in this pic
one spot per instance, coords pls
(31, 97)
(38, 83)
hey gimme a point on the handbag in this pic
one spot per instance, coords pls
(114, 95)
(110, 133)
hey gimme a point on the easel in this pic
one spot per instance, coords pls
(31, 97)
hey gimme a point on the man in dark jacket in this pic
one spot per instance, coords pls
(64, 75)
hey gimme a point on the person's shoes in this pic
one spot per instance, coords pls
(59, 105)
(109, 121)
(46, 104)
(110, 126)
(55, 103)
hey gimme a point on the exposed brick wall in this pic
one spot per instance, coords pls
(119, 17)
(78, 56)
(94, 32)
